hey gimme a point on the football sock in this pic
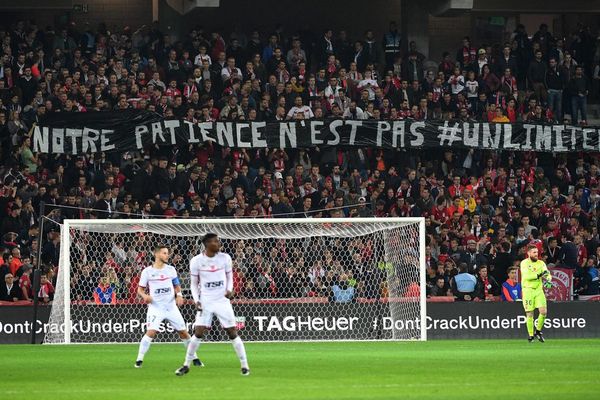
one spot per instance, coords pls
(191, 350)
(240, 350)
(530, 326)
(186, 344)
(540, 322)
(144, 346)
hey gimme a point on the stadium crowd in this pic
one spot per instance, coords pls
(482, 207)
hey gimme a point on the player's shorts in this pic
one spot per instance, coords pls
(533, 299)
(157, 314)
(221, 309)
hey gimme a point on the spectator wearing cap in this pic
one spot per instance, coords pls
(463, 284)
(9, 290)
(363, 209)
(477, 65)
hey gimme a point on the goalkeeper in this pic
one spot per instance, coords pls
(534, 278)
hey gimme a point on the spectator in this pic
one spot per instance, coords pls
(441, 288)
(579, 87)
(501, 261)
(473, 257)
(487, 287)
(354, 112)
(536, 75)
(105, 293)
(16, 262)
(589, 278)
(555, 82)
(25, 283)
(511, 289)
(568, 253)
(342, 291)
(46, 292)
(463, 284)
(463, 194)
(9, 290)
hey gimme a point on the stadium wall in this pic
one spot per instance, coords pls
(322, 321)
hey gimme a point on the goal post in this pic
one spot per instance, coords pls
(295, 279)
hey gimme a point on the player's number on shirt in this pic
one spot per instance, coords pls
(215, 284)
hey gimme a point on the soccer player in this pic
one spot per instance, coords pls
(212, 290)
(163, 299)
(534, 277)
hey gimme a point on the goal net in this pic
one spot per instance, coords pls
(294, 279)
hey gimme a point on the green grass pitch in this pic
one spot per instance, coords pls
(482, 369)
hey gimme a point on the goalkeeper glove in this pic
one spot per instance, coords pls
(547, 284)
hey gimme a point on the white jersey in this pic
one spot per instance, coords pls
(214, 274)
(160, 284)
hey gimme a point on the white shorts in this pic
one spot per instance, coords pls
(157, 314)
(222, 310)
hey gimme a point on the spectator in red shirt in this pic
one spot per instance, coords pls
(582, 254)
(457, 188)
(25, 283)
(46, 292)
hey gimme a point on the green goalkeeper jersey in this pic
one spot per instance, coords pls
(531, 274)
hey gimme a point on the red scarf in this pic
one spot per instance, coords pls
(485, 287)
